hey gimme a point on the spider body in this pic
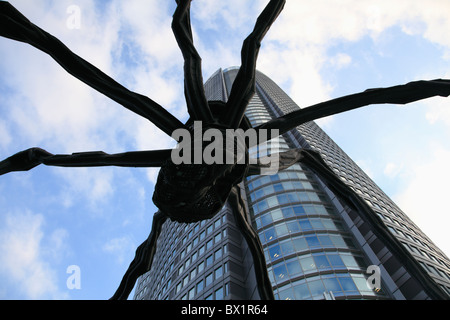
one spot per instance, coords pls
(195, 191)
(192, 192)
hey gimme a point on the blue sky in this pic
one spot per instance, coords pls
(52, 218)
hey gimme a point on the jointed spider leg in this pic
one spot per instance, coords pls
(401, 94)
(24, 160)
(243, 87)
(313, 161)
(252, 239)
(30, 158)
(15, 26)
(193, 81)
(143, 259)
(151, 158)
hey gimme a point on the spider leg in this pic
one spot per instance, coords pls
(401, 94)
(254, 244)
(152, 158)
(24, 160)
(30, 158)
(143, 259)
(15, 26)
(197, 103)
(313, 161)
(243, 87)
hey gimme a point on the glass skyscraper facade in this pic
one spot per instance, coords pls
(315, 245)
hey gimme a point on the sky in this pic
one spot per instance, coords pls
(52, 219)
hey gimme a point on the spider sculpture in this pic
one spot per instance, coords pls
(194, 192)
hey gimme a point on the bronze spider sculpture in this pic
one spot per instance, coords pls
(194, 192)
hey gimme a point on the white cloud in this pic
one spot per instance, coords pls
(305, 31)
(27, 255)
(392, 169)
(120, 248)
(152, 174)
(341, 60)
(49, 104)
(6, 136)
(94, 186)
(438, 110)
(366, 166)
(424, 199)
(51, 109)
(225, 15)
(323, 21)
(150, 29)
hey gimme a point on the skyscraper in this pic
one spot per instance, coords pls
(317, 245)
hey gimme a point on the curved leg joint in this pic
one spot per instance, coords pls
(197, 104)
(24, 160)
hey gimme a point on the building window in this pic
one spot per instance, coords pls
(218, 254)
(266, 219)
(275, 252)
(316, 287)
(321, 262)
(293, 267)
(209, 260)
(313, 241)
(209, 244)
(270, 234)
(347, 283)
(278, 187)
(188, 263)
(192, 293)
(280, 272)
(193, 273)
(307, 263)
(301, 290)
(219, 294)
(208, 279)
(218, 272)
(199, 287)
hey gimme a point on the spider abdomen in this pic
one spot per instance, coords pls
(190, 192)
